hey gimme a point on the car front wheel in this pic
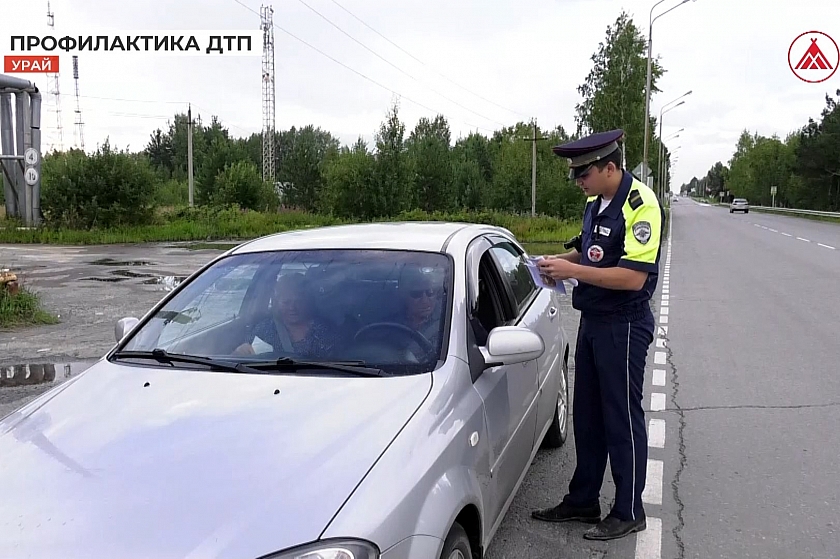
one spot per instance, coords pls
(457, 544)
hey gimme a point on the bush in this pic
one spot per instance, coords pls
(106, 189)
(240, 183)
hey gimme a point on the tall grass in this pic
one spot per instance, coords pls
(24, 307)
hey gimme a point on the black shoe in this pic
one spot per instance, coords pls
(611, 528)
(566, 513)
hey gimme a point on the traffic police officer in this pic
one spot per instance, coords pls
(616, 262)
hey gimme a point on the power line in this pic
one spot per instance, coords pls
(126, 100)
(360, 20)
(132, 100)
(361, 75)
(325, 18)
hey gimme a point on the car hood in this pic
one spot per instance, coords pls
(135, 462)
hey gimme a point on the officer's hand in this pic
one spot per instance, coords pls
(558, 268)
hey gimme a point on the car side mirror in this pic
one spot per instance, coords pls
(507, 345)
(124, 326)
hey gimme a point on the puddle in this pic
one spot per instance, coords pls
(39, 373)
(165, 283)
(215, 245)
(130, 274)
(112, 262)
(111, 280)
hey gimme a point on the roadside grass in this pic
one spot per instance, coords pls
(22, 309)
(222, 224)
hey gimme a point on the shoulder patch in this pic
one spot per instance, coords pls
(642, 231)
(635, 199)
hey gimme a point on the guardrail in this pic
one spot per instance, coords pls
(780, 210)
(796, 211)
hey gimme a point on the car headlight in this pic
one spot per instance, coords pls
(330, 549)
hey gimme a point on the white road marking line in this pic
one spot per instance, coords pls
(787, 234)
(666, 291)
(664, 310)
(657, 401)
(663, 330)
(659, 358)
(756, 224)
(663, 319)
(652, 495)
(649, 541)
(665, 297)
(826, 246)
(664, 302)
(801, 239)
(660, 343)
(773, 230)
(656, 433)
(659, 377)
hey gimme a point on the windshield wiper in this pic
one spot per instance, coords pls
(162, 356)
(353, 367)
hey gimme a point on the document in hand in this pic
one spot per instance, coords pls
(543, 280)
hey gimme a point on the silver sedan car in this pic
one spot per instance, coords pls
(739, 205)
(351, 392)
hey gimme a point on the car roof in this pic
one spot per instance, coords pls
(428, 236)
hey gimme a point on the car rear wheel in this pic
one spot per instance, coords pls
(557, 434)
(457, 544)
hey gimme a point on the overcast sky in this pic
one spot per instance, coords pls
(526, 57)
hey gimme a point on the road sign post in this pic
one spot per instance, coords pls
(773, 194)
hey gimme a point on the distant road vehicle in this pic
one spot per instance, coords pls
(739, 205)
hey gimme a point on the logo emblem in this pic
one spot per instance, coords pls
(641, 231)
(813, 57)
(595, 253)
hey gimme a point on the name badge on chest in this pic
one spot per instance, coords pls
(605, 231)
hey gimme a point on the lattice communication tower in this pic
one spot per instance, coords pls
(80, 136)
(267, 27)
(54, 90)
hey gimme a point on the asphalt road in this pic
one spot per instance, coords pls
(753, 390)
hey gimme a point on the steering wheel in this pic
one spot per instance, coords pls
(425, 345)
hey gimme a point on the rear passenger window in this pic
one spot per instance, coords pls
(515, 272)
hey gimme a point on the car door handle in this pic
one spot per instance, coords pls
(552, 311)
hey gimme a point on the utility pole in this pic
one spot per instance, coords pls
(190, 154)
(534, 141)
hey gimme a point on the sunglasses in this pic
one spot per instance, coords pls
(417, 293)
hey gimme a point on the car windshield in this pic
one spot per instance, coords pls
(740, 201)
(384, 309)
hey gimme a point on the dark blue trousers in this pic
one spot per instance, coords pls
(609, 419)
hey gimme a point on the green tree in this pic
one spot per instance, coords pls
(349, 183)
(392, 173)
(614, 91)
(818, 159)
(301, 167)
(431, 157)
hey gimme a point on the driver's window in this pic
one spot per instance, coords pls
(488, 312)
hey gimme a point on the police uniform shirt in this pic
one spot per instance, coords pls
(627, 234)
